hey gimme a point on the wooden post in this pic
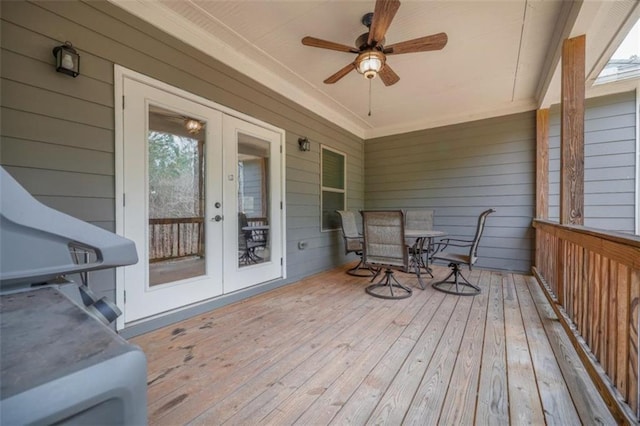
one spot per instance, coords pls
(572, 132)
(542, 163)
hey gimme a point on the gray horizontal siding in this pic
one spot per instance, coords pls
(20, 125)
(58, 132)
(44, 182)
(31, 154)
(609, 163)
(459, 171)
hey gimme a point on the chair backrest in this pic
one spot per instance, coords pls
(349, 225)
(243, 222)
(352, 238)
(421, 219)
(384, 238)
(473, 252)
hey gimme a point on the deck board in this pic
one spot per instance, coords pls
(330, 402)
(524, 400)
(588, 403)
(322, 351)
(554, 395)
(492, 406)
(427, 403)
(398, 396)
(460, 402)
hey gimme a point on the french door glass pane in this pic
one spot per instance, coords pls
(253, 201)
(176, 196)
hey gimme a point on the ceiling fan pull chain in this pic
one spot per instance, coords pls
(370, 97)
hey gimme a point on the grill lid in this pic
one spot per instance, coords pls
(39, 244)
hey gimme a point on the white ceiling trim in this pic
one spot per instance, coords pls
(163, 18)
(510, 108)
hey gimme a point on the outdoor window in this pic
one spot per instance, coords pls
(333, 187)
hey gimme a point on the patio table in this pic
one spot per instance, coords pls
(422, 236)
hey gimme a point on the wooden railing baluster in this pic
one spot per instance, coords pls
(175, 238)
(592, 279)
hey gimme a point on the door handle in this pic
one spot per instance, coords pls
(217, 218)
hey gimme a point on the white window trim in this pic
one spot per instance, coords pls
(329, 189)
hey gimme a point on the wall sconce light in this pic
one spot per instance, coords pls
(67, 59)
(304, 144)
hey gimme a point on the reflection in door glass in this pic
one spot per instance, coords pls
(176, 196)
(253, 201)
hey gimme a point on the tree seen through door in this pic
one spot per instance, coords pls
(176, 198)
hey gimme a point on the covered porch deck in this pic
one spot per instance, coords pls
(321, 351)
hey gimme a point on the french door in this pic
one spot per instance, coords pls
(201, 199)
(253, 206)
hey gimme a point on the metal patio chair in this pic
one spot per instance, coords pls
(246, 244)
(353, 242)
(459, 284)
(384, 247)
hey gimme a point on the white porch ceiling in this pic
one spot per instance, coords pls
(499, 58)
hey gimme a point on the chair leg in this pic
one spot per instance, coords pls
(256, 258)
(420, 277)
(459, 286)
(384, 289)
(376, 274)
(360, 270)
(245, 258)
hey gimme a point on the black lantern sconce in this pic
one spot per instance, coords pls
(67, 59)
(304, 144)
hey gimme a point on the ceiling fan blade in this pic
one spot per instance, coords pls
(422, 44)
(337, 76)
(388, 76)
(383, 14)
(324, 44)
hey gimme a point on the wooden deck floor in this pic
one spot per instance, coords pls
(322, 351)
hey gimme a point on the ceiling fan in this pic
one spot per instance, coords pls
(370, 48)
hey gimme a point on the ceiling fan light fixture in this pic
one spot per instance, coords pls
(370, 63)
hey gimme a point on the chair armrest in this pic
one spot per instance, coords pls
(446, 242)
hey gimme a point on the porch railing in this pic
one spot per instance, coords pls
(593, 279)
(175, 238)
